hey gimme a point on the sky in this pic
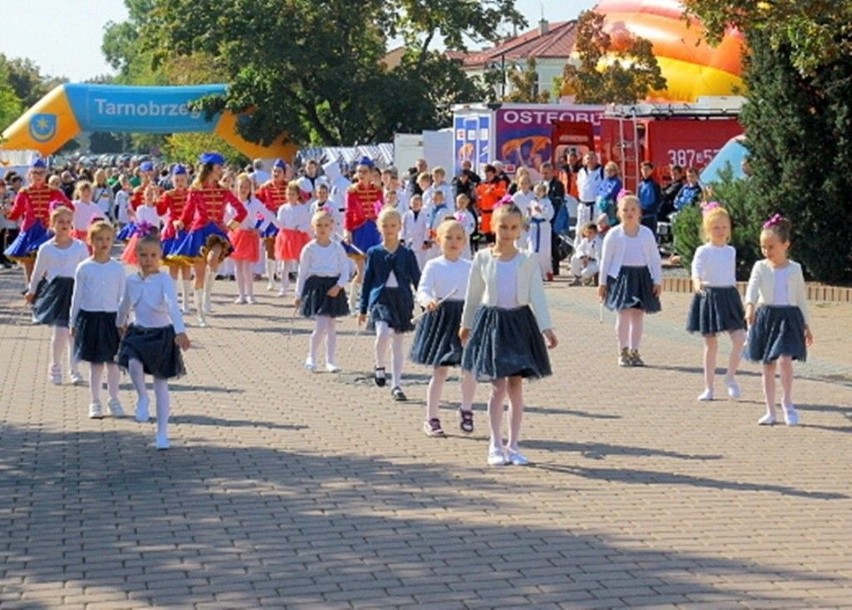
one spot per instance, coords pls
(69, 35)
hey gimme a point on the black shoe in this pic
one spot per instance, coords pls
(398, 394)
(379, 376)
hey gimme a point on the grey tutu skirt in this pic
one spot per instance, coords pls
(505, 343)
(155, 348)
(394, 306)
(52, 304)
(315, 301)
(96, 339)
(716, 310)
(632, 289)
(778, 330)
(436, 340)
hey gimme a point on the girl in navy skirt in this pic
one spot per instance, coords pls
(716, 306)
(152, 342)
(98, 288)
(504, 317)
(777, 317)
(50, 289)
(630, 279)
(436, 341)
(390, 276)
(323, 273)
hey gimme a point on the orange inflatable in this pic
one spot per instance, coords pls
(691, 66)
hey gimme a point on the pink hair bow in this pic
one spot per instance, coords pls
(773, 221)
(506, 200)
(623, 193)
(709, 205)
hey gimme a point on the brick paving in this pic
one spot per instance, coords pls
(289, 489)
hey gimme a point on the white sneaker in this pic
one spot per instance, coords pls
(162, 442)
(76, 379)
(114, 407)
(202, 322)
(791, 416)
(270, 287)
(250, 300)
(767, 420)
(240, 301)
(310, 365)
(496, 457)
(332, 368)
(705, 396)
(517, 458)
(733, 387)
(282, 293)
(55, 378)
(142, 413)
(96, 411)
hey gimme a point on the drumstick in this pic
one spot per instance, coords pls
(424, 312)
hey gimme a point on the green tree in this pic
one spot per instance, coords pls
(10, 104)
(798, 117)
(613, 69)
(315, 71)
(523, 85)
(26, 80)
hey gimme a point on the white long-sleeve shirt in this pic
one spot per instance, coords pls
(613, 254)
(254, 209)
(97, 287)
(442, 277)
(762, 290)
(152, 301)
(415, 229)
(53, 261)
(85, 213)
(296, 217)
(324, 261)
(715, 266)
(148, 214)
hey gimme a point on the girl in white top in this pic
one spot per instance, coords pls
(86, 211)
(505, 315)
(102, 194)
(246, 238)
(465, 217)
(98, 288)
(152, 342)
(441, 292)
(55, 264)
(630, 278)
(523, 198)
(147, 221)
(122, 201)
(323, 273)
(415, 230)
(540, 213)
(294, 223)
(322, 203)
(716, 306)
(777, 317)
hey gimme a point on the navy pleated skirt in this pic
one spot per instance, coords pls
(96, 339)
(632, 289)
(505, 343)
(315, 301)
(778, 330)
(436, 340)
(27, 243)
(155, 348)
(52, 304)
(716, 310)
(395, 306)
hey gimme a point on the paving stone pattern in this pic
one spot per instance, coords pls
(290, 489)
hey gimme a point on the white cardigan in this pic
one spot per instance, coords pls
(612, 256)
(761, 286)
(482, 286)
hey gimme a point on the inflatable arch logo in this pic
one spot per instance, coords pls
(71, 108)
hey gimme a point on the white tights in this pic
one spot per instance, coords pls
(161, 393)
(325, 327)
(384, 335)
(785, 366)
(286, 268)
(629, 324)
(436, 387)
(60, 341)
(711, 348)
(96, 375)
(244, 274)
(513, 386)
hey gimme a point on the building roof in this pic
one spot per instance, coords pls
(556, 42)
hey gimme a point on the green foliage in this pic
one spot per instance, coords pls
(737, 197)
(10, 104)
(314, 70)
(611, 72)
(180, 147)
(523, 83)
(811, 33)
